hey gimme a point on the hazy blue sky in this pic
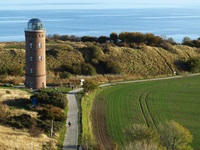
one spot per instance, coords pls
(96, 4)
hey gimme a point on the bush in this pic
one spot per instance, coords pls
(50, 112)
(5, 113)
(51, 98)
(45, 125)
(34, 131)
(22, 121)
(193, 64)
(65, 74)
(90, 85)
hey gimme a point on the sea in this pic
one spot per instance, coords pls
(175, 23)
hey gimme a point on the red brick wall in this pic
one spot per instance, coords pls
(35, 59)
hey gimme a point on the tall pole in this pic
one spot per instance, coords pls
(51, 129)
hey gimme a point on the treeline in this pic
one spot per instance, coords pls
(189, 42)
(128, 39)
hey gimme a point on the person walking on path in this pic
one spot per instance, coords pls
(69, 124)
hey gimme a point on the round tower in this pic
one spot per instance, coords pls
(35, 54)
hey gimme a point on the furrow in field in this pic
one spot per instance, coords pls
(142, 108)
(148, 110)
(100, 128)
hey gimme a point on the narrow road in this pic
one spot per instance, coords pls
(71, 137)
(146, 80)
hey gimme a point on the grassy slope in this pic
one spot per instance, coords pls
(147, 61)
(176, 99)
(11, 138)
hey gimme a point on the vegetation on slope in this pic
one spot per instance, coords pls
(128, 55)
(33, 121)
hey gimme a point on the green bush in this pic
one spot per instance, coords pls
(51, 98)
(22, 121)
(90, 85)
(50, 112)
(193, 64)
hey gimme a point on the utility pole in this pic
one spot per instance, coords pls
(51, 129)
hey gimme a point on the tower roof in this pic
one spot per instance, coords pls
(35, 24)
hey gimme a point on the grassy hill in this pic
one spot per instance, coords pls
(13, 138)
(66, 59)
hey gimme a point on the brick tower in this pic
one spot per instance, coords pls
(35, 55)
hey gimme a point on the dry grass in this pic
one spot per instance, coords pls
(12, 139)
(12, 79)
(11, 94)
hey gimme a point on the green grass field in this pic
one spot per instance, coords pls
(151, 103)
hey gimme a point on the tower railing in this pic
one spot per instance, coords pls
(38, 30)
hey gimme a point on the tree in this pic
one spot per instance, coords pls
(186, 40)
(174, 136)
(90, 85)
(114, 37)
(93, 52)
(142, 137)
(123, 36)
(143, 145)
(140, 132)
(193, 64)
(102, 39)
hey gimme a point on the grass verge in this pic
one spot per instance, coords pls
(87, 132)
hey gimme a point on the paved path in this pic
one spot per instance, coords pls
(71, 137)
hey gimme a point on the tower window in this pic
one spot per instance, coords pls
(31, 58)
(31, 70)
(31, 84)
(40, 45)
(40, 58)
(31, 45)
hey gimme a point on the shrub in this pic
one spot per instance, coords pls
(90, 85)
(113, 68)
(114, 37)
(34, 131)
(8, 92)
(51, 98)
(88, 69)
(45, 125)
(64, 75)
(22, 121)
(50, 112)
(193, 64)
(174, 136)
(5, 113)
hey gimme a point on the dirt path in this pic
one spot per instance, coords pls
(99, 125)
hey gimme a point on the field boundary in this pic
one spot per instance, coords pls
(100, 130)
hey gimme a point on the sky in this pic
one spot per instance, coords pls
(95, 4)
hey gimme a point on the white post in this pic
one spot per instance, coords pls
(51, 129)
